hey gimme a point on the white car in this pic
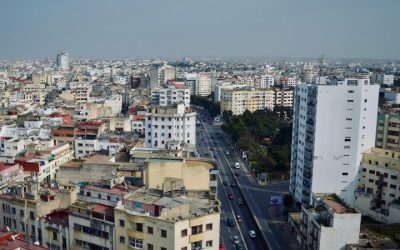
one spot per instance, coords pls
(252, 234)
(227, 152)
(235, 239)
(237, 165)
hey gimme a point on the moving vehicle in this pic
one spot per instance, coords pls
(230, 222)
(227, 152)
(221, 247)
(238, 219)
(240, 201)
(237, 173)
(237, 165)
(252, 234)
(230, 196)
(235, 239)
(239, 246)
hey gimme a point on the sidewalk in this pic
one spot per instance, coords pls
(277, 220)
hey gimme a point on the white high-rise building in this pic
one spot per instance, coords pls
(332, 126)
(62, 60)
(267, 81)
(170, 127)
(170, 96)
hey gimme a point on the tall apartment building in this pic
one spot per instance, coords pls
(388, 131)
(378, 191)
(332, 126)
(170, 96)
(239, 100)
(203, 85)
(170, 127)
(190, 82)
(62, 60)
(267, 81)
(160, 75)
(175, 210)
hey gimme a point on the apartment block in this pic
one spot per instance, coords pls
(327, 223)
(332, 126)
(388, 131)
(239, 100)
(170, 127)
(203, 85)
(378, 190)
(170, 96)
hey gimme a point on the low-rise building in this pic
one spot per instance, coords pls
(325, 224)
(378, 191)
(170, 96)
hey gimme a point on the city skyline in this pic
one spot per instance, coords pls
(258, 29)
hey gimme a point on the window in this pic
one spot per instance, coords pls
(393, 177)
(54, 235)
(135, 243)
(99, 196)
(184, 248)
(163, 233)
(350, 91)
(209, 243)
(347, 138)
(163, 248)
(345, 173)
(150, 246)
(349, 119)
(149, 230)
(365, 100)
(21, 212)
(372, 171)
(392, 186)
(31, 215)
(121, 223)
(184, 233)
(347, 147)
(350, 100)
(108, 197)
(122, 239)
(13, 210)
(139, 227)
(197, 229)
(209, 227)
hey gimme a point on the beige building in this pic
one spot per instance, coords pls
(378, 192)
(25, 203)
(388, 131)
(239, 100)
(175, 210)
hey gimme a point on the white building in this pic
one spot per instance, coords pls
(332, 126)
(62, 60)
(170, 127)
(160, 75)
(327, 224)
(203, 85)
(84, 147)
(170, 96)
(381, 78)
(267, 81)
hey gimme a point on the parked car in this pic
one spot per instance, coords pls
(235, 239)
(252, 234)
(227, 152)
(237, 173)
(237, 165)
(240, 201)
(239, 246)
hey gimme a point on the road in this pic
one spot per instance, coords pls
(230, 207)
(268, 217)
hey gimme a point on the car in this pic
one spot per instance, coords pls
(230, 222)
(221, 247)
(237, 165)
(227, 152)
(240, 201)
(239, 246)
(238, 219)
(235, 239)
(225, 183)
(237, 173)
(252, 234)
(230, 196)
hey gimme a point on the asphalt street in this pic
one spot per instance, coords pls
(212, 142)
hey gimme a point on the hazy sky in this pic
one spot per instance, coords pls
(178, 28)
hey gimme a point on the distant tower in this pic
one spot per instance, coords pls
(62, 60)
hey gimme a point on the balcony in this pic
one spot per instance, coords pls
(196, 237)
(136, 234)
